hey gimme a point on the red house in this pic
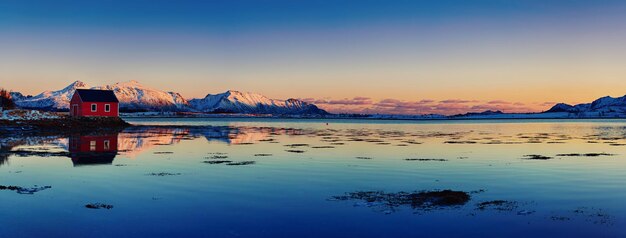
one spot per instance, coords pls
(94, 103)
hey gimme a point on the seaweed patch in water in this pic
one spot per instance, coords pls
(537, 157)
(217, 161)
(411, 142)
(586, 154)
(218, 157)
(498, 205)
(323, 147)
(262, 154)
(419, 200)
(163, 152)
(363, 157)
(296, 151)
(163, 174)
(424, 160)
(22, 190)
(588, 214)
(595, 215)
(98, 206)
(460, 142)
(241, 163)
(297, 145)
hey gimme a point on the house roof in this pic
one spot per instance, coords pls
(92, 95)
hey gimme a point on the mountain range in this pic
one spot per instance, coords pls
(604, 107)
(135, 97)
(601, 107)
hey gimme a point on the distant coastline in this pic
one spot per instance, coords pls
(504, 116)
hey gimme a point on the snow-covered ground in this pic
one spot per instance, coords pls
(21, 114)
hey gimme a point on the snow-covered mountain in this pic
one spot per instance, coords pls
(134, 96)
(601, 107)
(605, 107)
(239, 102)
(49, 99)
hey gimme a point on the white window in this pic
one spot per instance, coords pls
(107, 107)
(94, 107)
(92, 145)
(107, 145)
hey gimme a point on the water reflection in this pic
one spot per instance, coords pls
(93, 149)
(4, 156)
(102, 148)
(374, 177)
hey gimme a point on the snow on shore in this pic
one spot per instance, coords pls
(21, 114)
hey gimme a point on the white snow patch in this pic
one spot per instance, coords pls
(21, 114)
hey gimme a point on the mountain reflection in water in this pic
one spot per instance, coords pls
(101, 148)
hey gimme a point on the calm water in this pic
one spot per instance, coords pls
(279, 178)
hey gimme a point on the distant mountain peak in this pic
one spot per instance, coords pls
(131, 83)
(75, 85)
(233, 101)
(50, 99)
(601, 107)
(78, 83)
(483, 113)
(561, 107)
(134, 96)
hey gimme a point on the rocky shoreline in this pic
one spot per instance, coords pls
(62, 125)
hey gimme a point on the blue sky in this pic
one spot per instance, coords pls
(237, 15)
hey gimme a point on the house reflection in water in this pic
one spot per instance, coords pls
(93, 149)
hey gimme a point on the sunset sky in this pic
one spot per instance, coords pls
(439, 56)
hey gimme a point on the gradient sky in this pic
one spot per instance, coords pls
(439, 56)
